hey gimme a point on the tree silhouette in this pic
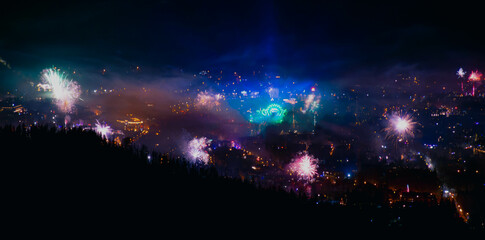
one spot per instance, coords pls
(73, 178)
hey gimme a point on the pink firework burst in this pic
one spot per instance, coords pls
(475, 76)
(304, 166)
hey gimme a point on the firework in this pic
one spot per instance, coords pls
(206, 100)
(311, 103)
(475, 76)
(273, 113)
(196, 150)
(460, 73)
(304, 166)
(273, 110)
(429, 163)
(273, 92)
(64, 91)
(103, 130)
(400, 127)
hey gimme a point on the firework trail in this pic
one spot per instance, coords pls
(400, 126)
(64, 91)
(461, 74)
(196, 150)
(475, 77)
(304, 166)
(103, 130)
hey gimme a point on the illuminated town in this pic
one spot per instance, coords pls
(407, 141)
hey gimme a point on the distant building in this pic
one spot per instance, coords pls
(133, 125)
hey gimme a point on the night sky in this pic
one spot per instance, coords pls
(329, 41)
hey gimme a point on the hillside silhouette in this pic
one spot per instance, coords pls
(73, 179)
